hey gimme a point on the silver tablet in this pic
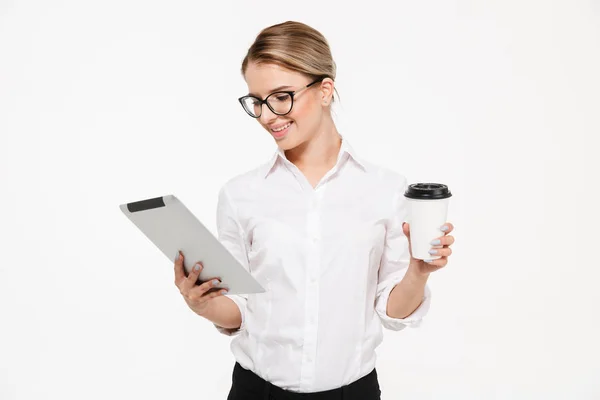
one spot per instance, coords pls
(168, 223)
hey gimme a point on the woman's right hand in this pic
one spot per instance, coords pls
(197, 297)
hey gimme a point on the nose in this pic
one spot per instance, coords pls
(267, 116)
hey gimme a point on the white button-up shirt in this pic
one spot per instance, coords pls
(328, 258)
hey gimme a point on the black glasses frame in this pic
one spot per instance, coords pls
(291, 93)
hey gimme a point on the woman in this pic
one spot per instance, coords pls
(322, 230)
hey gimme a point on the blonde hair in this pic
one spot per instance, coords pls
(294, 46)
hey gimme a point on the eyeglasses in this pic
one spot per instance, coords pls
(280, 103)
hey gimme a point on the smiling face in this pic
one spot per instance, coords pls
(308, 113)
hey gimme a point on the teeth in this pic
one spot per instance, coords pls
(282, 128)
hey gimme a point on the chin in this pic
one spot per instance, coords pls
(286, 143)
(289, 140)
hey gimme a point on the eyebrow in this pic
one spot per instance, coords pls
(273, 90)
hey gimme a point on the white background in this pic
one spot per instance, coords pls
(108, 102)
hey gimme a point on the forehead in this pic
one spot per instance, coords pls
(262, 79)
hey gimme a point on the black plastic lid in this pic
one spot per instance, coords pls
(427, 191)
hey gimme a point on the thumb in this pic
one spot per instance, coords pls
(406, 228)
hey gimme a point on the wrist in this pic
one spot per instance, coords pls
(202, 310)
(416, 273)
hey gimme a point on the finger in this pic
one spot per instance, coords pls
(443, 241)
(447, 227)
(207, 288)
(438, 263)
(444, 252)
(192, 277)
(178, 265)
(212, 295)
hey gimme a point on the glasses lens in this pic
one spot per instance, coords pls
(280, 102)
(252, 106)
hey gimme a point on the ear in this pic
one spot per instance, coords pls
(326, 91)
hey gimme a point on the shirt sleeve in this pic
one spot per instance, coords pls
(230, 234)
(394, 264)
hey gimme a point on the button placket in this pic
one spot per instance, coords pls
(312, 291)
(311, 311)
(313, 220)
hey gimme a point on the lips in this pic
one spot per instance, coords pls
(282, 132)
(277, 128)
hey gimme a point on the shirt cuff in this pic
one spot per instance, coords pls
(413, 320)
(241, 303)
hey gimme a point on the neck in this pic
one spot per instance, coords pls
(319, 152)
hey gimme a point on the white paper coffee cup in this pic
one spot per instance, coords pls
(427, 212)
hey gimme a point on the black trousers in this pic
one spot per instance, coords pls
(246, 385)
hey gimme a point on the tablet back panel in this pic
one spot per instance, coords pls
(168, 224)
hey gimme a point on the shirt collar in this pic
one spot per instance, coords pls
(345, 148)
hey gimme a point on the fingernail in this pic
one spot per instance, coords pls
(223, 291)
(436, 242)
(176, 257)
(444, 228)
(197, 267)
(215, 282)
(432, 251)
(429, 261)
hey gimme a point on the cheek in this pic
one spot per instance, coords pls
(304, 114)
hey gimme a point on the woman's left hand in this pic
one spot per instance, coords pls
(443, 249)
